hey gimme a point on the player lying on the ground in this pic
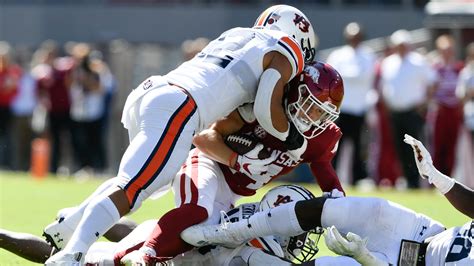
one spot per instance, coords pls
(204, 186)
(391, 233)
(242, 65)
(302, 247)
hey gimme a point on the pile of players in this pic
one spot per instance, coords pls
(261, 86)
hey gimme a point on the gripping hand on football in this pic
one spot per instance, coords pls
(352, 245)
(251, 165)
(424, 163)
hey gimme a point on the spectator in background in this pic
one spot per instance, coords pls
(356, 65)
(448, 111)
(87, 108)
(22, 108)
(10, 75)
(405, 78)
(465, 90)
(53, 76)
(386, 166)
(109, 85)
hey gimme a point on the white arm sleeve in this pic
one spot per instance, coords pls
(262, 105)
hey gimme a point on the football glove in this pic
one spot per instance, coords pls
(249, 163)
(424, 163)
(352, 245)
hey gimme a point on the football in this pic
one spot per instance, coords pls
(241, 143)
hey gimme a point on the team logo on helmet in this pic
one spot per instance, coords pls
(313, 73)
(282, 200)
(301, 23)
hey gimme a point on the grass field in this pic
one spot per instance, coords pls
(27, 205)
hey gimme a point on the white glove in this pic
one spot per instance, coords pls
(424, 163)
(251, 165)
(335, 193)
(141, 257)
(353, 246)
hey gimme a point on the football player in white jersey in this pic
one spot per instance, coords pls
(243, 65)
(377, 232)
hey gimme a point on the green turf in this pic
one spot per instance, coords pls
(27, 205)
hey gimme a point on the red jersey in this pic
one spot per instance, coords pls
(55, 84)
(319, 154)
(9, 81)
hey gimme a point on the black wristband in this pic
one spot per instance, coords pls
(294, 140)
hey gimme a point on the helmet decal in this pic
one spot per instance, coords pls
(301, 23)
(273, 18)
(282, 199)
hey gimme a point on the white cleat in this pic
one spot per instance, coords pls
(225, 234)
(57, 234)
(65, 259)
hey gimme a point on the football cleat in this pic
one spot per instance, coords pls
(57, 234)
(65, 259)
(225, 234)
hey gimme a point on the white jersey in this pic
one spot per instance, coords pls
(452, 247)
(226, 73)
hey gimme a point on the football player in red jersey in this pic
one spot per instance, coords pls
(214, 176)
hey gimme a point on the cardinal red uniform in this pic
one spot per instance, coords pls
(319, 153)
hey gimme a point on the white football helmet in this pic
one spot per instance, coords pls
(293, 22)
(302, 247)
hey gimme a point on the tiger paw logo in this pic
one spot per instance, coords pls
(282, 200)
(301, 23)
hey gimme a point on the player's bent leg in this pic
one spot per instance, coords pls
(59, 232)
(167, 122)
(260, 224)
(198, 192)
(25, 245)
(165, 239)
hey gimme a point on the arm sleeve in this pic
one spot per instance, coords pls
(326, 176)
(263, 100)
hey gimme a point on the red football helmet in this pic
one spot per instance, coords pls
(314, 98)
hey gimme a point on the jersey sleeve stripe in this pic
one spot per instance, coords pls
(294, 50)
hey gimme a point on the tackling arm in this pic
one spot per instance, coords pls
(326, 176)
(211, 140)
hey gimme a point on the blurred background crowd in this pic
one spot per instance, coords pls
(63, 84)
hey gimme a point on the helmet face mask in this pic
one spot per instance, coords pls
(314, 98)
(293, 22)
(302, 247)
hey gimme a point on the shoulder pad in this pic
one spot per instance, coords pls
(292, 50)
